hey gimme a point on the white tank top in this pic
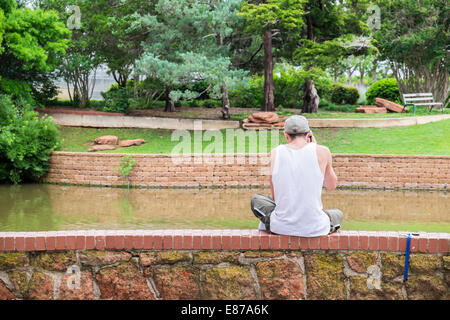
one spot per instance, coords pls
(297, 182)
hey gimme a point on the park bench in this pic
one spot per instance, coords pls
(421, 99)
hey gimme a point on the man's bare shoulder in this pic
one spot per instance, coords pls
(324, 149)
(323, 153)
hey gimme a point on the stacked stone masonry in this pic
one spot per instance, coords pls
(221, 264)
(194, 170)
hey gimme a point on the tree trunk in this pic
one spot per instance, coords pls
(170, 106)
(349, 76)
(309, 24)
(121, 79)
(225, 102)
(136, 80)
(361, 71)
(269, 99)
(374, 71)
(135, 85)
(310, 97)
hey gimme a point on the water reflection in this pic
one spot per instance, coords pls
(26, 208)
(54, 207)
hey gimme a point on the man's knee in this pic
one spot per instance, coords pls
(262, 205)
(259, 200)
(254, 200)
(335, 215)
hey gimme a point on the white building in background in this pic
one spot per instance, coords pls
(102, 82)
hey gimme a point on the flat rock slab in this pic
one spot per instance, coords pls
(264, 120)
(255, 126)
(265, 117)
(389, 105)
(102, 147)
(111, 140)
(129, 143)
(371, 109)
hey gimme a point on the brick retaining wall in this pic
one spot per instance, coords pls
(221, 264)
(159, 170)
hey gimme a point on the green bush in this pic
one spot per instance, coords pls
(205, 103)
(344, 95)
(117, 99)
(250, 96)
(198, 86)
(26, 142)
(386, 89)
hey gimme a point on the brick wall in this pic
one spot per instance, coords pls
(163, 170)
(221, 264)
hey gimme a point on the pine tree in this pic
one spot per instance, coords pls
(185, 44)
(272, 18)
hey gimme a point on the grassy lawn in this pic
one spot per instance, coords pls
(431, 138)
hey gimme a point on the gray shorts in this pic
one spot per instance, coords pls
(262, 206)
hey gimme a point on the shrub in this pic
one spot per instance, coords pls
(386, 89)
(344, 95)
(117, 99)
(199, 86)
(26, 142)
(289, 86)
(250, 96)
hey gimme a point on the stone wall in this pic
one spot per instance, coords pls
(221, 264)
(163, 170)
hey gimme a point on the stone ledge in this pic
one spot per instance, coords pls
(388, 241)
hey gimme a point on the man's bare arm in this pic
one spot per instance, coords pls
(272, 163)
(330, 178)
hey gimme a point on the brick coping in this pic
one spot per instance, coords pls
(227, 239)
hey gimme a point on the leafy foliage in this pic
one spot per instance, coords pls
(284, 14)
(117, 99)
(413, 37)
(386, 89)
(32, 43)
(26, 142)
(183, 46)
(126, 165)
(288, 83)
(344, 95)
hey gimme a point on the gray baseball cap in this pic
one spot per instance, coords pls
(296, 124)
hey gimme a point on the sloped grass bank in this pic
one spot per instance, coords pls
(427, 139)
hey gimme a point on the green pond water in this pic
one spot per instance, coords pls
(44, 207)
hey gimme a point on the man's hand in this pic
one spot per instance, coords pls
(310, 137)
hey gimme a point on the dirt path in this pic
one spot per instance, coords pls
(181, 112)
(193, 112)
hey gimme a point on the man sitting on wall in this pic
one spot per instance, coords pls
(299, 170)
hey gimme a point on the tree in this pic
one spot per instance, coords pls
(32, 43)
(81, 61)
(120, 35)
(334, 30)
(413, 37)
(184, 45)
(272, 18)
